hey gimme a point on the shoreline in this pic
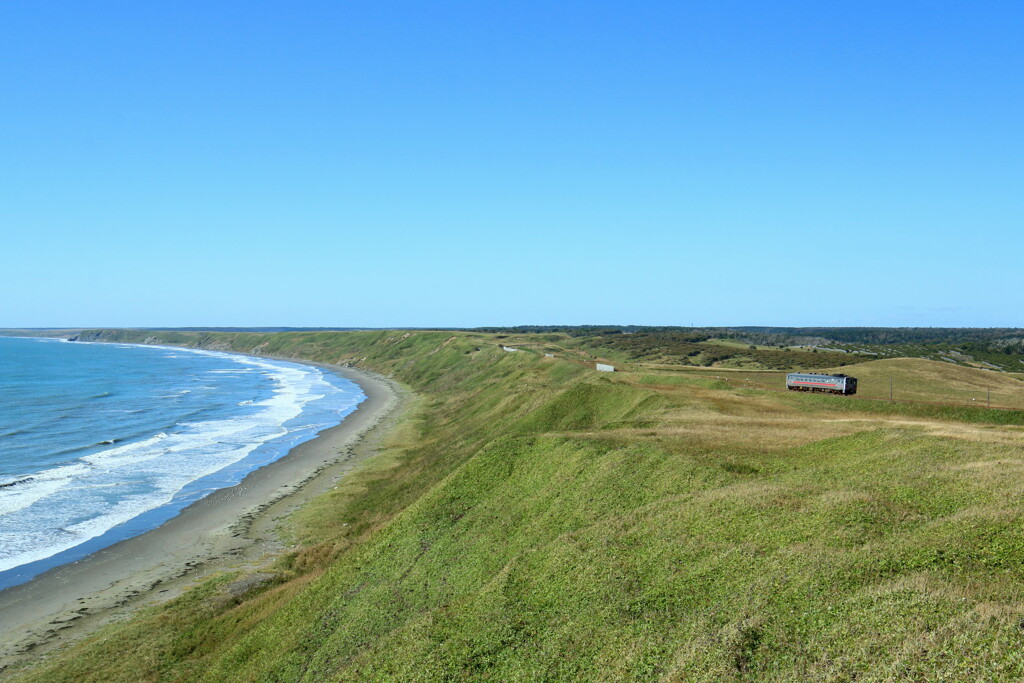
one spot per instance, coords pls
(230, 528)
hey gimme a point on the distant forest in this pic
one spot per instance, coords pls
(991, 339)
(894, 335)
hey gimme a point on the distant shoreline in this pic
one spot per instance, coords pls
(229, 526)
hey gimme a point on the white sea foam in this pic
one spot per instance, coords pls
(65, 506)
(35, 487)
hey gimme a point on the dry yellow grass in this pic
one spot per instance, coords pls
(917, 379)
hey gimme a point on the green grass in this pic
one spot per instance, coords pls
(927, 380)
(533, 520)
(682, 380)
(965, 413)
(698, 350)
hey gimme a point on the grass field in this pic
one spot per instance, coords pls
(913, 379)
(927, 380)
(689, 350)
(532, 519)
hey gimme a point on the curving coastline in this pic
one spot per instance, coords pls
(229, 528)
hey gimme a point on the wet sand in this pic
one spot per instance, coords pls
(230, 528)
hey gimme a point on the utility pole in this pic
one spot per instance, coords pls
(989, 399)
(890, 390)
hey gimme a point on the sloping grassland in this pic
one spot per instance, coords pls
(701, 350)
(928, 380)
(532, 519)
(911, 379)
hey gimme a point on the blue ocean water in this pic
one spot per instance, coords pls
(100, 442)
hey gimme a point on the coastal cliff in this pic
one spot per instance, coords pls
(530, 518)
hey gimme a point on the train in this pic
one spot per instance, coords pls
(829, 384)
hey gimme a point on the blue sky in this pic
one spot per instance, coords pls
(484, 163)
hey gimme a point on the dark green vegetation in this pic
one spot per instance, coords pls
(997, 337)
(997, 348)
(899, 335)
(699, 350)
(771, 348)
(532, 519)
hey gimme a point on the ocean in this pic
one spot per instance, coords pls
(101, 442)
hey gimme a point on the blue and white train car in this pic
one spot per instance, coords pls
(830, 384)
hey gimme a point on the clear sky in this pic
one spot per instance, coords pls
(489, 163)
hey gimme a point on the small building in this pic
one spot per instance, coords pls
(601, 367)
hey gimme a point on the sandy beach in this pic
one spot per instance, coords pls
(230, 528)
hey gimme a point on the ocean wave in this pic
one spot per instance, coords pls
(60, 508)
(34, 488)
(74, 449)
(8, 484)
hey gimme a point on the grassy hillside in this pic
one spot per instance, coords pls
(701, 350)
(913, 379)
(927, 380)
(790, 348)
(532, 519)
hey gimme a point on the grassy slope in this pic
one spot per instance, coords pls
(646, 349)
(533, 519)
(928, 380)
(914, 379)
